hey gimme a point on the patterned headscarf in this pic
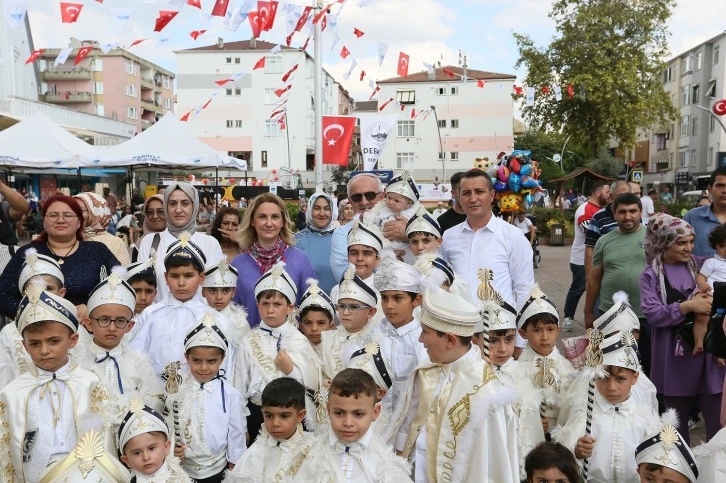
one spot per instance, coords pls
(99, 216)
(663, 231)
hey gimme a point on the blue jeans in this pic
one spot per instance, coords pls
(577, 288)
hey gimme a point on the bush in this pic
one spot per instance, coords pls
(292, 210)
(546, 217)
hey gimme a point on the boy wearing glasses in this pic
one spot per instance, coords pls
(125, 372)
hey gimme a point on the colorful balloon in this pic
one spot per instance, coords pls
(525, 170)
(503, 173)
(515, 182)
(510, 202)
(514, 166)
(528, 182)
(500, 187)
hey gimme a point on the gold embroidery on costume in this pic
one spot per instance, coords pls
(266, 364)
(485, 291)
(593, 354)
(294, 468)
(669, 438)
(98, 396)
(89, 447)
(545, 375)
(628, 341)
(459, 415)
(137, 407)
(114, 281)
(20, 357)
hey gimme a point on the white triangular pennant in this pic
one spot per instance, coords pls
(15, 15)
(336, 39)
(62, 56)
(382, 50)
(122, 15)
(558, 93)
(106, 48)
(530, 96)
(294, 12)
(350, 71)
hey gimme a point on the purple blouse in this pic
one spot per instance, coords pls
(298, 267)
(685, 375)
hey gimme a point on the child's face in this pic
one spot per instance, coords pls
(550, 475)
(274, 311)
(109, 337)
(218, 297)
(364, 258)
(661, 475)
(281, 423)
(146, 452)
(183, 282)
(721, 249)
(314, 323)
(49, 346)
(501, 348)
(617, 385)
(398, 306)
(396, 202)
(422, 243)
(354, 320)
(350, 417)
(204, 362)
(52, 284)
(541, 337)
(145, 295)
(436, 345)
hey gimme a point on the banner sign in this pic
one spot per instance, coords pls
(434, 192)
(375, 129)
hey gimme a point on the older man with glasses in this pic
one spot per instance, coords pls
(364, 191)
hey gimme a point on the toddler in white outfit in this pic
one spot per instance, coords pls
(713, 270)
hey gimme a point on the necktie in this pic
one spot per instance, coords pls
(108, 356)
(207, 386)
(275, 334)
(44, 380)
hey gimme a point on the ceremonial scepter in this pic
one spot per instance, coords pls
(593, 360)
(173, 382)
(487, 295)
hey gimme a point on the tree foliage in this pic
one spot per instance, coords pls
(612, 52)
(606, 164)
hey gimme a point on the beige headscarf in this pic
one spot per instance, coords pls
(99, 216)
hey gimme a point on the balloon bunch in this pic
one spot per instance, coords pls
(515, 178)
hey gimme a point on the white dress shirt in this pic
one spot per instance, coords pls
(714, 269)
(207, 244)
(217, 428)
(379, 310)
(339, 345)
(499, 247)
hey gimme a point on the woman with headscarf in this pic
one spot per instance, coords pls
(667, 300)
(96, 218)
(345, 212)
(154, 222)
(181, 203)
(316, 237)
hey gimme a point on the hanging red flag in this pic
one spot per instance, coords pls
(305, 45)
(337, 139)
(448, 72)
(518, 90)
(403, 64)
(196, 33)
(324, 23)
(260, 64)
(362, 75)
(99, 1)
(195, 3)
(34, 55)
(263, 10)
(413, 113)
(480, 84)
(165, 16)
(280, 92)
(303, 19)
(255, 23)
(289, 73)
(281, 123)
(385, 103)
(288, 39)
(358, 33)
(220, 8)
(70, 11)
(403, 107)
(185, 117)
(545, 89)
(375, 91)
(570, 90)
(345, 52)
(136, 42)
(207, 103)
(82, 54)
(279, 111)
(317, 18)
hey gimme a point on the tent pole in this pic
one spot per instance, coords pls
(216, 187)
(80, 181)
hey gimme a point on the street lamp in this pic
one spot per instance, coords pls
(441, 147)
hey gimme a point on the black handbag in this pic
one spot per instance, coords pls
(684, 330)
(715, 341)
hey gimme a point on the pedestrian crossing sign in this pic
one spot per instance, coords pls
(637, 176)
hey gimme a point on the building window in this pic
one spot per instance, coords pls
(672, 132)
(130, 68)
(406, 129)
(167, 82)
(681, 159)
(695, 94)
(167, 103)
(270, 96)
(441, 91)
(442, 122)
(660, 142)
(454, 156)
(238, 123)
(668, 75)
(100, 111)
(699, 60)
(454, 123)
(674, 100)
(131, 90)
(711, 123)
(442, 156)
(715, 54)
(97, 65)
(711, 88)
(237, 91)
(98, 87)
(710, 157)
(694, 130)
(686, 95)
(406, 97)
(228, 92)
(272, 128)
(685, 121)
(131, 114)
(230, 123)
(236, 60)
(263, 158)
(687, 64)
(52, 89)
(454, 91)
(693, 158)
(404, 160)
(273, 64)
(229, 60)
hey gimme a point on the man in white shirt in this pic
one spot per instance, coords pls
(648, 205)
(524, 224)
(485, 241)
(440, 210)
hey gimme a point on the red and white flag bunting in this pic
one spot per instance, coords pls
(260, 64)
(70, 11)
(337, 139)
(234, 78)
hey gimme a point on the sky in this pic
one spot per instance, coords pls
(427, 30)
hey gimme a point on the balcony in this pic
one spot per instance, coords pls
(68, 97)
(61, 75)
(149, 105)
(146, 124)
(147, 83)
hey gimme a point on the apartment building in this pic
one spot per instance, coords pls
(118, 85)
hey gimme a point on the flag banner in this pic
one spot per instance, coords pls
(530, 96)
(375, 129)
(402, 64)
(63, 56)
(15, 15)
(346, 76)
(382, 51)
(122, 15)
(337, 139)
(558, 93)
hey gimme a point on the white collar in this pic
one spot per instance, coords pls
(364, 440)
(606, 407)
(65, 369)
(400, 331)
(162, 471)
(174, 302)
(491, 225)
(278, 330)
(99, 351)
(465, 361)
(719, 257)
(284, 444)
(356, 335)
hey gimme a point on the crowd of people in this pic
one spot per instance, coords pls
(377, 343)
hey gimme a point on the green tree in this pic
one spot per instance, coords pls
(606, 164)
(612, 54)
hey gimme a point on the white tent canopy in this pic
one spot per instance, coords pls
(38, 142)
(166, 143)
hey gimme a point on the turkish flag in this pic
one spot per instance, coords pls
(82, 54)
(374, 93)
(480, 84)
(34, 55)
(196, 33)
(263, 11)
(303, 19)
(281, 123)
(358, 33)
(185, 117)
(413, 113)
(255, 23)
(570, 90)
(260, 64)
(136, 42)
(337, 139)
(383, 106)
(402, 64)
(195, 3)
(362, 75)
(271, 17)
(220, 8)
(70, 12)
(345, 52)
(317, 18)
(165, 16)
(289, 73)
(545, 89)
(324, 23)
(288, 39)
(518, 90)
(448, 72)
(280, 92)
(305, 45)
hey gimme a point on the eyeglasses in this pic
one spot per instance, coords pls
(353, 308)
(151, 213)
(119, 322)
(55, 216)
(358, 197)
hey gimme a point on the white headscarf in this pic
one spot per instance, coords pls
(333, 212)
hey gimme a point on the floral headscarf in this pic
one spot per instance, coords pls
(333, 213)
(663, 231)
(99, 216)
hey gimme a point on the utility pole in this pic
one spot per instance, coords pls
(318, 58)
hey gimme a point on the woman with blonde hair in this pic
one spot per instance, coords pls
(265, 239)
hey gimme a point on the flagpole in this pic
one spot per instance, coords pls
(318, 58)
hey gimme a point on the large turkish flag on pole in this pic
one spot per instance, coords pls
(337, 139)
